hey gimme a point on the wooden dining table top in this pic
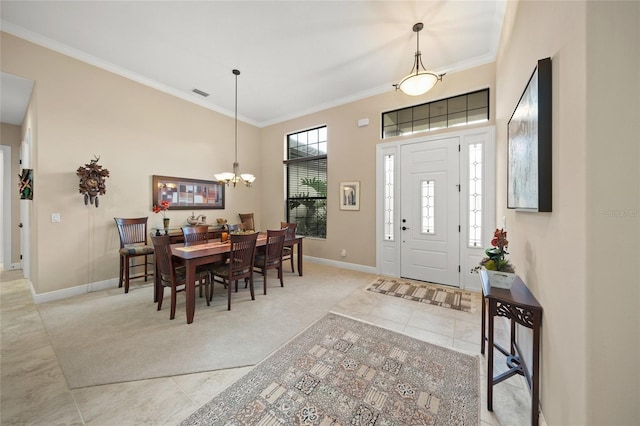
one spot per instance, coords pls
(214, 247)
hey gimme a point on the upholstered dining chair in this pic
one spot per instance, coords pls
(133, 245)
(246, 219)
(271, 257)
(287, 252)
(172, 275)
(240, 264)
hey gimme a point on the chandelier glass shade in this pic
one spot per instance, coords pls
(235, 176)
(419, 81)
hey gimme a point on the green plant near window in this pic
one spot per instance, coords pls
(313, 220)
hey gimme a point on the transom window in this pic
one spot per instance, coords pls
(306, 166)
(450, 112)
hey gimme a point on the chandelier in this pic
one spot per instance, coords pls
(235, 176)
(418, 81)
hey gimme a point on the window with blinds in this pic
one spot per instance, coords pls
(306, 165)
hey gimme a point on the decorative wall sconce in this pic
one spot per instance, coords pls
(92, 181)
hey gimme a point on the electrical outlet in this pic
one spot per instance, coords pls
(55, 217)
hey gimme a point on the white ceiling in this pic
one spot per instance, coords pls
(295, 57)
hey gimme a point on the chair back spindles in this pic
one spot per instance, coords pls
(132, 231)
(243, 248)
(271, 258)
(240, 264)
(196, 234)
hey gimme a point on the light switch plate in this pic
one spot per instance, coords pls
(55, 217)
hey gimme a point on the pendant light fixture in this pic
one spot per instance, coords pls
(235, 176)
(418, 82)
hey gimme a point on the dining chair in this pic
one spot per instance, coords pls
(287, 252)
(194, 235)
(240, 264)
(133, 245)
(174, 276)
(246, 219)
(271, 257)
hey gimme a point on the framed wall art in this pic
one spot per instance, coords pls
(350, 196)
(529, 145)
(187, 194)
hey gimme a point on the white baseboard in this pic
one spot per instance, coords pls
(343, 265)
(72, 291)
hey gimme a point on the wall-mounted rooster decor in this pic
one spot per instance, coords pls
(92, 181)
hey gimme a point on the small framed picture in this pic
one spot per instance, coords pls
(350, 196)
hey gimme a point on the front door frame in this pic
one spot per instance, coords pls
(388, 250)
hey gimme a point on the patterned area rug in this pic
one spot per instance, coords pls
(426, 293)
(340, 371)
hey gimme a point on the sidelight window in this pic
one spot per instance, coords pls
(475, 195)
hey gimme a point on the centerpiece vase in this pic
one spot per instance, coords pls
(165, 223)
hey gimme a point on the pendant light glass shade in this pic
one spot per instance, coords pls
(235, 176)
(418, 82)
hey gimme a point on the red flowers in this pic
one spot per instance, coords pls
(162, 208)
(500, 240)
(496, 256)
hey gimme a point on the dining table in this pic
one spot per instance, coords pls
(212, 252)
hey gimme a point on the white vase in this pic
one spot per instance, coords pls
(500, 279)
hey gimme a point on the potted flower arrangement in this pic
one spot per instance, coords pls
(162, 208)
(499, 269)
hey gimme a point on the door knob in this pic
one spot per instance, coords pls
(404, 228)
(20, 225)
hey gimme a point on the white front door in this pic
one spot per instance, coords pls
(430, 211)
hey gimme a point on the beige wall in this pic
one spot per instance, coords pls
(351, 157)
(613, 212)
(137, 131)
(560, 254)
(11, 135)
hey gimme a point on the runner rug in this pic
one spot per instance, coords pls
(426, 293)
(341, 371)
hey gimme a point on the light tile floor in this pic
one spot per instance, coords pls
(34, 390)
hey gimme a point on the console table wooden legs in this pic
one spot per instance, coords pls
(520, 307)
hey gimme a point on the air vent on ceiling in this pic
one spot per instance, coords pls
(200, 92)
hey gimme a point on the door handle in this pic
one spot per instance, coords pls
(404, 228)
(20, 225)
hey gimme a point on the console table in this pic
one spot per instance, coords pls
(519, 306)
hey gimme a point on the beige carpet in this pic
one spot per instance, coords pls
(425, 292)
(346, 372)
(108, 336)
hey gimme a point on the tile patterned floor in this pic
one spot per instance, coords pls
(34, 390)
